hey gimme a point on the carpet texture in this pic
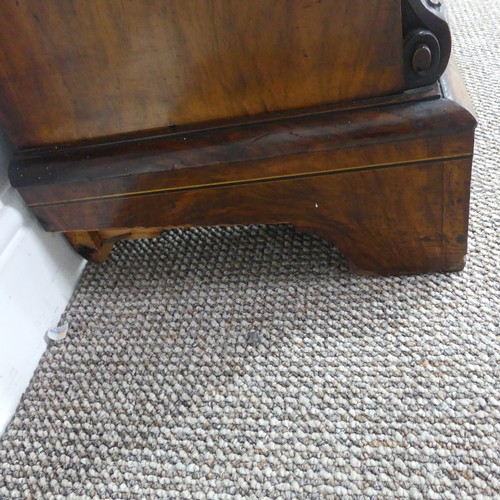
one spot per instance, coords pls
(247, 362)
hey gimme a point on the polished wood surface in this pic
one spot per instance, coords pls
(387, 184)
(54, 173)
(405, 132)
(385, 221)
(72, 70)
(135, 117)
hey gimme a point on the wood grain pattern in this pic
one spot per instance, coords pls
(73, 70)
(387, 183)
(152, 115)
(385, 221)
(296, 146)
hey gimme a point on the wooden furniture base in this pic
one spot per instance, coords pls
(386, 181)
(414, 222)
(156, 115)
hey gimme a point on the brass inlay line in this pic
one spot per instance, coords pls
(241, 182)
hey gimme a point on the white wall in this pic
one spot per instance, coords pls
(38, 274)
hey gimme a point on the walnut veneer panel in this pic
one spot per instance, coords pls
(73, 70)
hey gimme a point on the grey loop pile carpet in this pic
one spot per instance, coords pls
(247, 362)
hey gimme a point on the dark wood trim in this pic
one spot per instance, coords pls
(426, 41)
(424, 93)
(326, 142)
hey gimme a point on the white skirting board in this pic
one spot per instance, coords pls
(38, 274)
